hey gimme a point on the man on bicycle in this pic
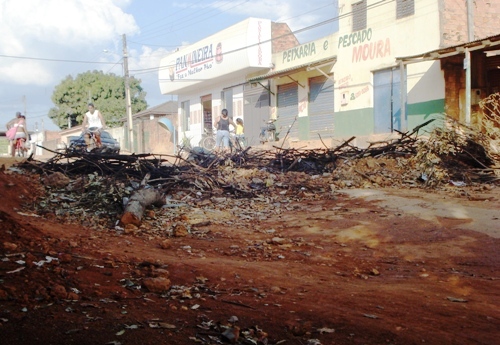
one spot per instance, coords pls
(93, 123)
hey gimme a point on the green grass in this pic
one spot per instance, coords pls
(4, 146)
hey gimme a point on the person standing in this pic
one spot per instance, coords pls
(21, 133)
(11, 123)
(240, 133)
(93, 122)
(222, 124)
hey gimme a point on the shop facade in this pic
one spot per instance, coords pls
(381, 92)
(367, 85)
(210, 75)
(301, 89)
(360, 81)
(349, 83)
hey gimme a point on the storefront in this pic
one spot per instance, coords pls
(301, 89)
(210, 75)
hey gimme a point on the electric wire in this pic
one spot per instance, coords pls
(56, 60)
(193, 16)
(310, 27)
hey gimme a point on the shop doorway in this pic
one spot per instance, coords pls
(256, 110)
(387, 100)
(206, 103)
(288, 110)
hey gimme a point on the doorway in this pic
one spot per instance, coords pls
(206, 104)
(387, 100)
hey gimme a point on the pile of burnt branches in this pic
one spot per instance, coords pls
(200, 161)
(447, 151)
(311, 161)
(79, 183)
(128, 167)
(456, 152)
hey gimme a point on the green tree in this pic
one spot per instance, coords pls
(106, 91)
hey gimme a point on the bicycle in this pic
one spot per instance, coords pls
(236, 142)
(20, 147)
(208, 139)
(80, 145)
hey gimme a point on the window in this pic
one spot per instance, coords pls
(185, 116)
(359, 16)
(404, 8)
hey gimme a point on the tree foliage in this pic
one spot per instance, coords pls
(106, 91)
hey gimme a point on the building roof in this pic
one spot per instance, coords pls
(295, 69)
(167, 108)
(485, 43)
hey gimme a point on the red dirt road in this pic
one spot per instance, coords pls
(358, 267)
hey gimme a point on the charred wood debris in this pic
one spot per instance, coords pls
(451, 156)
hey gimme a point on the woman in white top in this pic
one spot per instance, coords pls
(93, 121)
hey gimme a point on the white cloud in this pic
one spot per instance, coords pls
(56, 29)
(147, 57)
(66, 22)
(26, 73)
(297, 13)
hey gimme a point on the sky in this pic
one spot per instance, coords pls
(44, 41)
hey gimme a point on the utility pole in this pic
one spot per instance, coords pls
(470, 20)
(467, 62)
(127, 96)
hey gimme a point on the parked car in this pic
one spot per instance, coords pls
(109, 144)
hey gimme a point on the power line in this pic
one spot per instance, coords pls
(175, 46)
(57, 60)
(119, 61)
(183, 20)
(152, 69)
(310, 27)
(161, 19)
(154, 45)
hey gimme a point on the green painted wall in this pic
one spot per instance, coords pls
(360, 121)
(303, 123)
(418, 113)
(354, 122)
(4, 146)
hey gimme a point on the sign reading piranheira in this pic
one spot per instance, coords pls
(363, 46)
(196, 61)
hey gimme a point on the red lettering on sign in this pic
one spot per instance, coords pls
(372, 50)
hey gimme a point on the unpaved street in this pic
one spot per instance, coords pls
(360, 266)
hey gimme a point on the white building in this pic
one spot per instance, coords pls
(391, 66)
(210, 75)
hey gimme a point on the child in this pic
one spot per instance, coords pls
(240, 136)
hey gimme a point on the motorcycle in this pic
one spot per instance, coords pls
(268, 133)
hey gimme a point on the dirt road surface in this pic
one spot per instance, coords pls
(363, 266)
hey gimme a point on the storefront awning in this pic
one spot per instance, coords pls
(437, 54)
(288, 71)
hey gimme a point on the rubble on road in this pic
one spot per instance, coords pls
(81, 184)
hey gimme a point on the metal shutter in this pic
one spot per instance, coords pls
(320, 107)
(256, 111)
(288, 109)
